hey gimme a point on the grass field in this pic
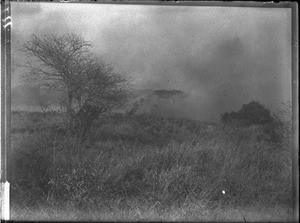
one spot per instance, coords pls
(150, 168)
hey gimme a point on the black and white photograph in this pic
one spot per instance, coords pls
(152, 112)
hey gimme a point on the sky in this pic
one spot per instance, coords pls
(222, 57)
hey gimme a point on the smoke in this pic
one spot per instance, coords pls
(221, 57)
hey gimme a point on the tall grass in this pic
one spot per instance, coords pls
(115, 175)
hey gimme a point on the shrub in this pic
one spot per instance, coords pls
(250, 114)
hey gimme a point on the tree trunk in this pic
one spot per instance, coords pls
(70, 118)
(86, 116)
(86, 131)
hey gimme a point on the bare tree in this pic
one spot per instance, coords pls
(89, 86)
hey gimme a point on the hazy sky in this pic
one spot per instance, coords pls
(222, 57)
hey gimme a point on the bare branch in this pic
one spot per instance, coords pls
(90, 87)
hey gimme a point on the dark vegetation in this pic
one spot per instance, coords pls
(250, 114)
(256, 114)
(147, 165)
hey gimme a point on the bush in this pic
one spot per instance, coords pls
(256, 114)
(250, 114)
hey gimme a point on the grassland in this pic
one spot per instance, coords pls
(149, 168)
